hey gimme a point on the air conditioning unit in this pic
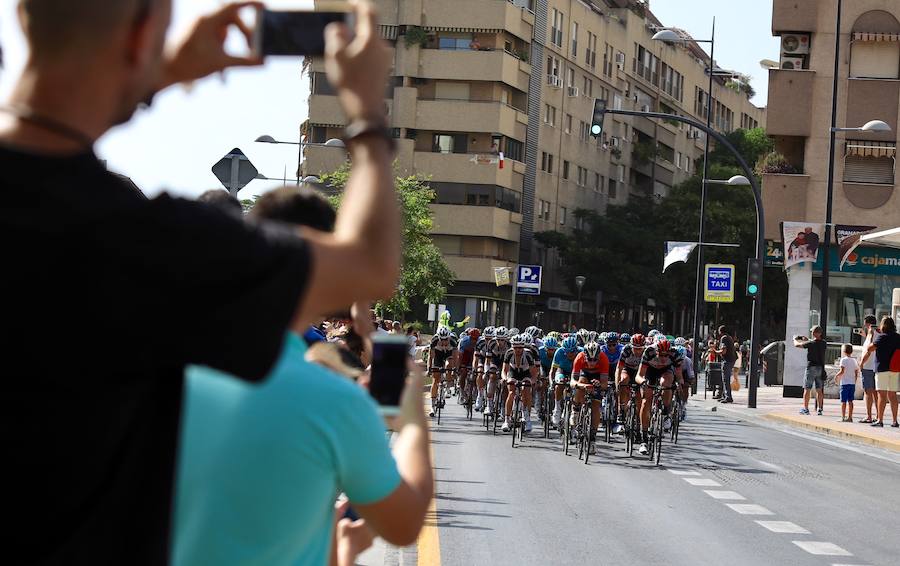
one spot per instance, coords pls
(791, 63)
(795, 44)
(620, 60)
(573, 91)
(554, 81)
(645, 108)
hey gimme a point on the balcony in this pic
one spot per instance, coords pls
(318, 160)
(472, 14)
(467, 65)
(794, 15)
(475, 269)
(487, 221)
(784, 199)
(790, 102)
(873, 98)
(326, 110)
(469, 116)
(467, 168)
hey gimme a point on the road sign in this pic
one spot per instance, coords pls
(235, 171)
(501, 276)
(528, 280)
(719, 283)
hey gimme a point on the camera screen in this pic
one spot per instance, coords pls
(388, 372)
(296, 33)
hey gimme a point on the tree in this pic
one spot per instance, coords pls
(424, 274)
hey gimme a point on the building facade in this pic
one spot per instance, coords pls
(492, 100)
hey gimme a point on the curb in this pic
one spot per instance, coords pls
(858, 438)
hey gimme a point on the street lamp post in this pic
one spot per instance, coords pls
(579, 282)
(334, 142)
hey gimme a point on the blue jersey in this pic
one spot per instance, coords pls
(466, 343)
(545, 358)
(613, 354)
(561, 361)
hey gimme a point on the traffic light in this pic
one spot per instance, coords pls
(754, 277)
(597, 120)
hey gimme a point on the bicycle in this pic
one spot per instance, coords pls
(608, 413)
(632, 420)
(438, 404)
(493, 405)
(677, 408)
(583, 429)
(656, 424)
(518, 423)
(549, 404)
(469, 393)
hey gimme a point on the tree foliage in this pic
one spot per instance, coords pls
(424, 274)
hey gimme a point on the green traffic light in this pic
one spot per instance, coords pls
(753, 289)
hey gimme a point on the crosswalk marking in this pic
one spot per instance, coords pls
(719, 494)
(702, 482)
(685, 473)
(821, 548)
(783, 527)
(749, 509)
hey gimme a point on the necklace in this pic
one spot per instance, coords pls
(49, 124)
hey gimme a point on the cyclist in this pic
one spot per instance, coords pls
(590, 376)
(442, 355)
(561, 373)
(518, 366)
(687, 378)
(478, 364)
(537, 336)
(582, 337)
(626, 370)
(493, 362)
(658, 368)
(466, 358)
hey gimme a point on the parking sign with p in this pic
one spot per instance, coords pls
(528, 280)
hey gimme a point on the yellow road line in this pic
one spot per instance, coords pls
(429, 542)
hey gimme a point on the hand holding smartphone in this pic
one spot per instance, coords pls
(389, 365)
(297, 32)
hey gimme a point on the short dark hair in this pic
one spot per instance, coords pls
(723, 329)
(870, 319)
(296, 205)
(848, 349)
(818, 329)
(222, 200)
(888, 324)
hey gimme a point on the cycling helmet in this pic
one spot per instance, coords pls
(490, 332)
(592, 351)
(652, 333)
(513, 331)
(612, 337)
(681, 350)
(663, 346)
(518, 341)
(638, 340)
(593, 336)
(570, 345)
(582, 336)
(679, 342)
(550, 343)
(443, 333)
(554, 334)
(625, 338)
(474, 334)
(603, 336)
(502, 333)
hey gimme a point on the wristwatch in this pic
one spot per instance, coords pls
(359, 129)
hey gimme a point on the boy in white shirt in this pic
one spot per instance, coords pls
(847, 378)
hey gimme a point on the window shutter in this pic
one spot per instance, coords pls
(870, 170)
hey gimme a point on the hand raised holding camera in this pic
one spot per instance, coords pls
(358, 65)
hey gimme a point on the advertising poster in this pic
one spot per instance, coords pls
(801, 242)
(848, 237)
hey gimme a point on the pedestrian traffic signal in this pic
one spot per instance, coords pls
(754, 277)
(597, 120)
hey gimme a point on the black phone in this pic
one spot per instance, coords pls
(296, 32)
(389, 358)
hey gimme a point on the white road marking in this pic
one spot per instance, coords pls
(749, 509)
(702, 482)
(783, 527)
(769, 465)
(821, 548)
(718, 494)
(684, 473)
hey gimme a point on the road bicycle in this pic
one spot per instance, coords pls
(517, 422)
(632, 419)
(583, 429)
(677, 410)
(469, 392)
(438, 404)
(608, 413)
(656, 423)
(549, 405)
(491, 414)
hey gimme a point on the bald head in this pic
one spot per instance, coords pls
(57, 28)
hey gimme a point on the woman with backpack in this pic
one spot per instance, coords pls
(887, 377)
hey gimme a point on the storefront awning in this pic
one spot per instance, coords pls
(884, 238)
(871, 149)
(873, 36)
(461, 30)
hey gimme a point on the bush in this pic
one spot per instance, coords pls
(416, 36)
(777, 164)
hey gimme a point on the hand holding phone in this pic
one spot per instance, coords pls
(389, 368)
(297, 33)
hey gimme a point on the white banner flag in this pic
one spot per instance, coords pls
(677, 251)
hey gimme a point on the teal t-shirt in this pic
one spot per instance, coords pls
(260, 465)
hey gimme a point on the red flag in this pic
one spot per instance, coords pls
(501, 160)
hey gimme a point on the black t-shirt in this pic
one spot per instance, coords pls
(815, 352)
(108, 296)
(886, 347)
(727, 343)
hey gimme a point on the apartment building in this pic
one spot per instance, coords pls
(865, 183)
(492, 100)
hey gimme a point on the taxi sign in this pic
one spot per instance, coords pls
(719, 286)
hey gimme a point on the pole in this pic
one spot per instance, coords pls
(512, 281)
(698, 284)
(580, 315)
(760, 229)
(299, 160)
(826, 244)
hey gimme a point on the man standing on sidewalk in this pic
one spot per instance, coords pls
(729, 357)
(868, 368)
(815, 368)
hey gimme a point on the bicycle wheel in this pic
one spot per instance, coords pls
(587, 431)
(440, 403)
(608, 418)
(515, 418)
(657, 439)
(567, 427)
(629, 429)
(495, 409)
(548, 412)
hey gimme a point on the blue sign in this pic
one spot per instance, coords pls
(874, 260)
(528, 280)
(719, 283)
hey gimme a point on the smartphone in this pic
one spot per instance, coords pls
(300, 32)
(389, 358)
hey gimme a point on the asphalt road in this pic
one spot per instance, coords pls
(703, 505)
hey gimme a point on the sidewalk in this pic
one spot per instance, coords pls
(771, 406)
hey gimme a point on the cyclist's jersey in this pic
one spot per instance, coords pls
(496, 349)
(538, 343)
(523, 362)
(687, 368)
(587, 368)
(546, 359)
(657, 365)
(612, 355)
(446, 346)
(561, 361)
(466, 350)
(481, 346)
(630, 359)
(535, 354)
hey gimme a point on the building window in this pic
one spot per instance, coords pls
(582, 177)
(565, 171)
(588, 87)
(701, 102)
(590, 55)
(598, 182)
(621, 173)
(562, 215)
(678, 159)
(544, 211)
(515, 150)
(874, 59)
(570, 77)
(450, 143)
(456, 41)
(579, 223)
(550, 115)
(556, 29)
(584, 131)
(568, 123)
(646, 65)
(869, 162)
(546, 162)
(608, 60)
(553, 66)
(574, 40)
(613, 189)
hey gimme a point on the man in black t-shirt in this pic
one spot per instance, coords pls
(815, 368)
(729, 357)
(110, 295)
